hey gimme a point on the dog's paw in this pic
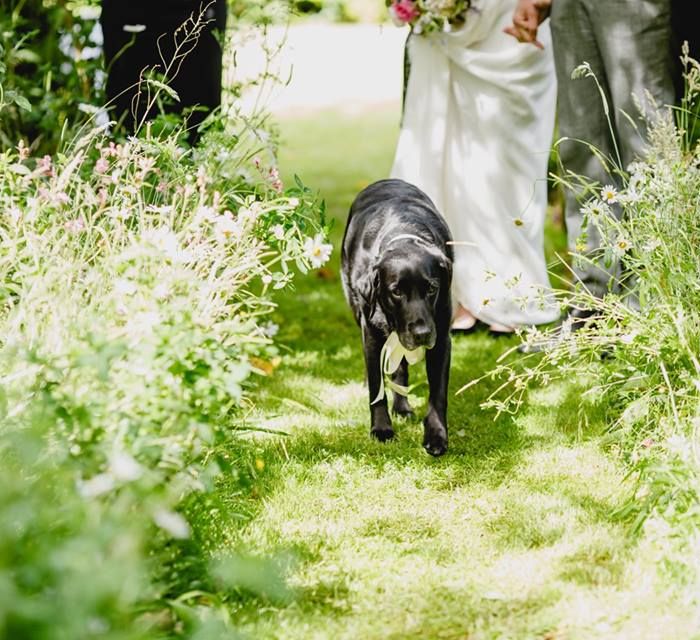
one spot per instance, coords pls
(402, 408)
(435, 439)
(435, 445)
(383, 434)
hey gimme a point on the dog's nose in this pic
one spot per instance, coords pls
(419, 330)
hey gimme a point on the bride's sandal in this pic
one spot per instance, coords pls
(463, 322)
(498, 330)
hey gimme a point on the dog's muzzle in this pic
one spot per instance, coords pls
(421, 336)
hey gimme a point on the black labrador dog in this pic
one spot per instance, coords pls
(396, 272)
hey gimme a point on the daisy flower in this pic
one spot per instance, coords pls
(609, 194)
(594, 208)
(622, 246)
(227, 228)
(316, 251)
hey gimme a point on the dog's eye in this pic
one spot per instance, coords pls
(432, 289)
(396, 292)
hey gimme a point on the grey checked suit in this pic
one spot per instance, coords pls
(627, 44)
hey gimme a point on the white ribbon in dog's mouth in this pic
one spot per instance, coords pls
(390, 359)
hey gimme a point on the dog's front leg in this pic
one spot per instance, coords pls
(372, 342)
(437, 364)
(401, 406)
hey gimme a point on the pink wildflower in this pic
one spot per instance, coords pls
(275, 180)
(403, 11)
(110, 151)
(202, 178)
(647, 443)
(22, 151)
(101, 165)
(44, 165)
(74, 226)
(55, 199)
(146, 165)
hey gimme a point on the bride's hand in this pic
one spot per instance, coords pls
(527, 17)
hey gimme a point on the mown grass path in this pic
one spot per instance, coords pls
(510, 535)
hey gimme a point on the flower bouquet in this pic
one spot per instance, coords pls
(426, 16)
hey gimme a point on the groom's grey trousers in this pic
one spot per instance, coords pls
(627, 45)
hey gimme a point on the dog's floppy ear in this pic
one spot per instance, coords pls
(368, 287)
(445, 265)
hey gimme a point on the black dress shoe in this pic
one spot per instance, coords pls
(573, 320)
(579, 318)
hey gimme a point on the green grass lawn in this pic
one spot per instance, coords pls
(510, 535)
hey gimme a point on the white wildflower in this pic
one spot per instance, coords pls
(622, 245)
(282, 281)
(145, 164)
(628, 338)
(652, 245)
(134, 28)
(90, 53)
(205, 214)
(124, 468)
(316, 251)
(173, 523)
(15, 214)
(631, 195)
(166, 241)
(278, 231)
(247, 216)
(125, 287)
(161, 291)
(88, 108)
(636, 168)
(119, 214)
(227, 228)
(88, 13)
(164, 209)
(97, 486)
(146, 321)
(609, 194)
(270, 329)
(33, 208)
(679, 446)
(595, 209)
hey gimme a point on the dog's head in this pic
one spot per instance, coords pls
(408, 285)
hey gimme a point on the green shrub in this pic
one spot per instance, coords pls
(135, 283)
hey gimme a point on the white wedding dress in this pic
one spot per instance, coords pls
(476, 135)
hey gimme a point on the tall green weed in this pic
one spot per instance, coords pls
(640, 356)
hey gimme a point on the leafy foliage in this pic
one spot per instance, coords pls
(640, 354)
(136, 278)
(50, 64)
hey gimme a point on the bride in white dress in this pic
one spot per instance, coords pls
(476, 135)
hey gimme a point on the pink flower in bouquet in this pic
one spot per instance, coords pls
(403, 12)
